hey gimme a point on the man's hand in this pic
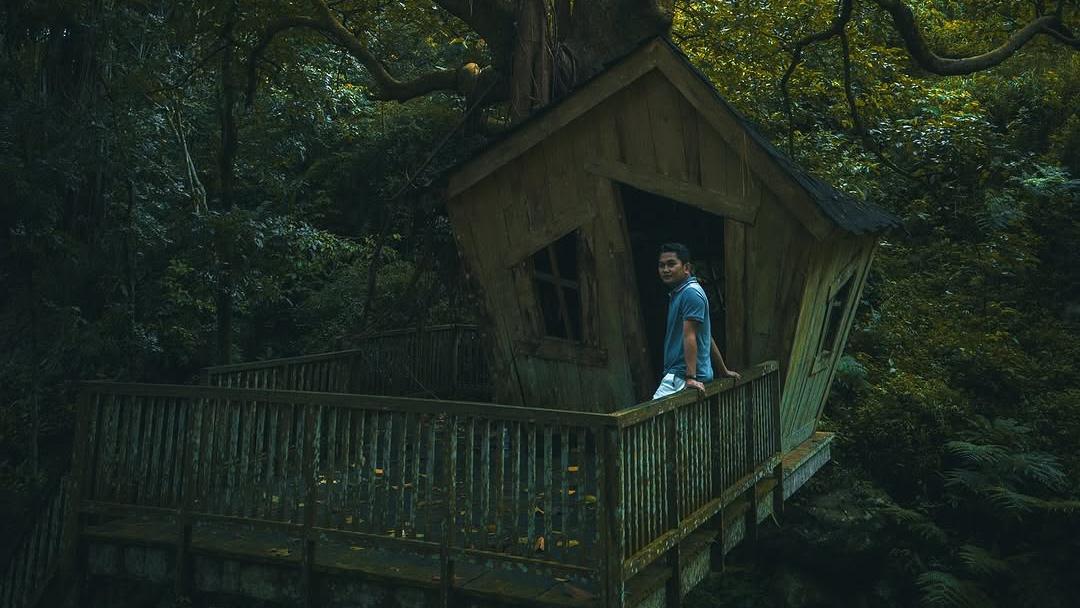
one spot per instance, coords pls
(730, 373)
(697, 385)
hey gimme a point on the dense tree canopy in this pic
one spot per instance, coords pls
(240, 179)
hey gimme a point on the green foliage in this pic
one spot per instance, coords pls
(992, 533)
(945, 590)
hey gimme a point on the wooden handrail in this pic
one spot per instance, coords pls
(634, 415)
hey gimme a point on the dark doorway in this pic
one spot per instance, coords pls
(653, 220)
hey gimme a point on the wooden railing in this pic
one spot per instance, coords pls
(595, 496)
(37, 558)
(683, 458)
(441, 361)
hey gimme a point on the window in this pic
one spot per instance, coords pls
(834, 315)
(558, 287)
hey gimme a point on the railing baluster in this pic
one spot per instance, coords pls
(417, 451)
(372, 468)
(470, 482)
(502, 445)
(389, 467)
(485, 483)
(531, 485)
(363, 467)
(564, 488)
(431, 518)
(515, 484)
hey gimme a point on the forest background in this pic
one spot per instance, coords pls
(159, 215)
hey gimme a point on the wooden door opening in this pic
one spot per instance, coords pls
(651, 221)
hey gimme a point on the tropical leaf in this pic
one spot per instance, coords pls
(945, 590)
(974, 453)
(980, 561)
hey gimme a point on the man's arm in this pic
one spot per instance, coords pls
(718, 363)
(689, 349)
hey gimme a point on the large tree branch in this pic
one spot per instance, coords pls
(272, 30)
(904, 22)
(462, 80)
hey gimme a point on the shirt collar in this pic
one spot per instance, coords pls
(681, 286)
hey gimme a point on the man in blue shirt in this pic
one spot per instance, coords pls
(689, 350)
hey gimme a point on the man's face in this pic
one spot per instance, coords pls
(672, 270)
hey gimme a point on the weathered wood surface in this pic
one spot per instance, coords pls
(439, 361)
(37, 558)
(586, 495)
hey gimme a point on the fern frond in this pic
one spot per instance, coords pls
(1040, 467)
(981, 562)
(1013, 501)
(903, 516)
(941, 589)
(977, 454)
(974, 481)
(918, 523)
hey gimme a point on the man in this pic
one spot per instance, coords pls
(689, 350)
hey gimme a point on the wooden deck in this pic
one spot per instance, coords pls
(144, 548)
(311, 498)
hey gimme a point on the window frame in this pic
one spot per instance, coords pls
(561, 285)
(824, 353)
(584, 347)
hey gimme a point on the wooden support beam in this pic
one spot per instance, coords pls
(734, 207)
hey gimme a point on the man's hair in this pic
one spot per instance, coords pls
(680, 251)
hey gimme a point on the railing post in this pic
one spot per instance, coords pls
(675, 474)
(446, 562)
(308, 559)
(751, 466)
(610, 516)
(773, 388)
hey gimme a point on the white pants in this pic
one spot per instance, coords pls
(669, 386)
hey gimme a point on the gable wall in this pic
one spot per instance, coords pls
(808, 379)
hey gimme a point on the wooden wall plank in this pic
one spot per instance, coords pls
(632, 126)
(665, 121)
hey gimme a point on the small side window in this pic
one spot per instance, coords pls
(834, 315)
(555, 272)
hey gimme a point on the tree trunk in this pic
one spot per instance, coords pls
(559, 44)
(530, 86)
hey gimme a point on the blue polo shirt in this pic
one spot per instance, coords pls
(688, 301)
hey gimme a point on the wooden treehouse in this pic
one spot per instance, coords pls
(517, 464)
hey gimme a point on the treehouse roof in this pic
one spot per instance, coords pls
(823, 207)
